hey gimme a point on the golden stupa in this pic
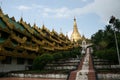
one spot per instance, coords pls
(75, 34)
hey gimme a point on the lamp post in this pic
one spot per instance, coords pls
(112, 21)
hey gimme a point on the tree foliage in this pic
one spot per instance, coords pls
(104, 41)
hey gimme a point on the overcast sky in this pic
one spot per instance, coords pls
(91, 15)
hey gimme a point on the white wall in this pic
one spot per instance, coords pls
(13, 66)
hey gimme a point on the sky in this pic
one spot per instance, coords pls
(91, 15)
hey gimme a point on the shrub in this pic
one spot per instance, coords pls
(76, 51)
(109, 54)
(57, 56)
(66, 54)
(41, 61)
(72, 54)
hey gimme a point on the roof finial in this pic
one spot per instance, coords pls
(21, 14)
(21, 19)
(0, 4)
(43, 26)
(1, 8)
(74, 18)
(43, 22)
(60, 30)
(34, 22)
(67, 34)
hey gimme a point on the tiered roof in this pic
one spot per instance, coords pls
(19, 39)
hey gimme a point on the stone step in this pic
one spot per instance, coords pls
(64, 64)
(85, 69)
(101, 60)
(107, 66)
(14, 78)
(91, 75)
(66, 61)
(72, 75)
(108, 76)
(58, 70)
(61, 67)
(54, 76)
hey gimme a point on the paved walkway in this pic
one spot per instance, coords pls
(85, 70)
(83, 73)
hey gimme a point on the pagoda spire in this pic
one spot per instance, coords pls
(74, 18)
(21, 20)
(1, 12)
(75, 29)
(75, 34)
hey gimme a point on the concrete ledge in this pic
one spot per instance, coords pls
(21, 75)
(61, 67)
(108, 76)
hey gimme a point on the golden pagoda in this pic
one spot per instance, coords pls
(75, 34)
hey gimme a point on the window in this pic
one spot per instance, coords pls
(20, 60)
(8, 60)
(30, 61)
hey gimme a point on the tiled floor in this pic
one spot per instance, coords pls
(28, 79)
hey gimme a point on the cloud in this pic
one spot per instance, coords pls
(103, 8)
(69, 33)
(62, 12)
(56, 13)
(23, 7)
(106, 8)
(84, 0)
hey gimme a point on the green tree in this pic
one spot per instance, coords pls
(104, 41)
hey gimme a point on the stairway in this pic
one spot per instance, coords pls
(106, 70)
(63, 64)
(55, 70)
(85, 70)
